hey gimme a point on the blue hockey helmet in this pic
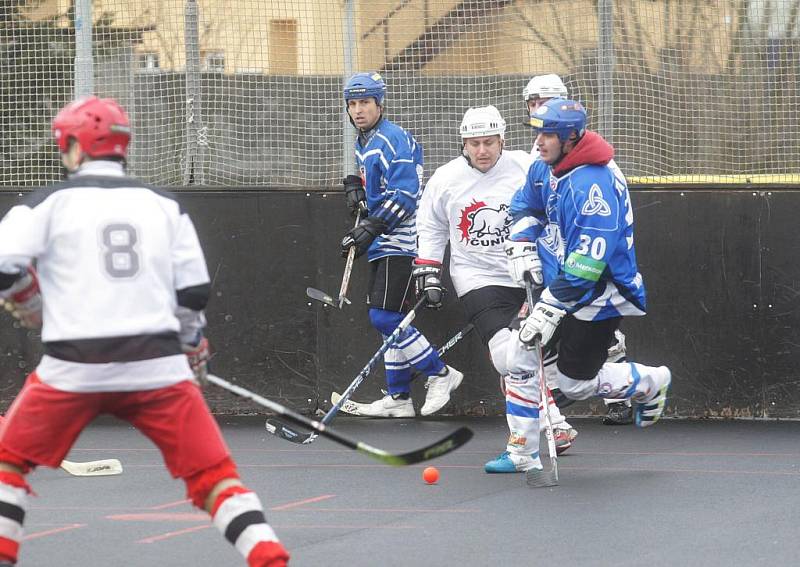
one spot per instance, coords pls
(560, 116)
(365, 85)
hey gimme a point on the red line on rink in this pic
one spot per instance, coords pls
(169, 504)
(302, 502)
(337, 526)
(401, 510)
(66, 528)
(161, 517)
(168, 535)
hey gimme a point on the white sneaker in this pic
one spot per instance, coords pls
(387, 406)
(439, 388)
(650, 410)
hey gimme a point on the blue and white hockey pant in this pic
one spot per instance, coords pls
(412, 349)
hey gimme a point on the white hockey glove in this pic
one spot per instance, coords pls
(540, 325)
(24, 300)
(523, 257)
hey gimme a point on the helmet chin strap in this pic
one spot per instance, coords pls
(562, 153)
(364, 135)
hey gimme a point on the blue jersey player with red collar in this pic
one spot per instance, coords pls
(387, 191)
(575, 209)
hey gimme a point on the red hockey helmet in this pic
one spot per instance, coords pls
(100, 126)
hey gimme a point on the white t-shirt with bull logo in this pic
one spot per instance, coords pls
(469, 210)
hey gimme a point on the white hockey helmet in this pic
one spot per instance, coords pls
(482, 121)
(545, 86)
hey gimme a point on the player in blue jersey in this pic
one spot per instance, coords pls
(539, 90)
(387, 190)
(576, 209)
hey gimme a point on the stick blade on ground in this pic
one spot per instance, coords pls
(349, 406)
(105, 467)
(280, 429)
(540, 478)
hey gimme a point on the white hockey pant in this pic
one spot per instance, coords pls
(615, 380)
(515, 361)
(617, 353)
(522, 413)
(551, 379)
(523, 396)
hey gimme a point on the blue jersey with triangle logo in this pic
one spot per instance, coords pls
(583, 225)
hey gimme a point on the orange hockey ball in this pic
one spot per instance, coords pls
(430, 475)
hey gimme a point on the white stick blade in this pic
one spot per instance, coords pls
(348, 406)
(105, 467)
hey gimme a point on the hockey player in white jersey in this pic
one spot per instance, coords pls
(538, 91)
(465, 206)
(387, 191)
(123, 287)
(575, 211)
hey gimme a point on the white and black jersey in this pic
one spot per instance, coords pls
(469, 209)
(111, 253)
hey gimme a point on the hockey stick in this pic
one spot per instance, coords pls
(538, 478)
(276, 427)
(348, 269)
(449, 443)
(323, 297)
(105, 467)
(352, 407)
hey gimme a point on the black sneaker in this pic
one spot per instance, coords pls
(619, 413)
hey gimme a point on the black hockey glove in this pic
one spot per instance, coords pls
(361, 236)
(354, 194)
(428, 282)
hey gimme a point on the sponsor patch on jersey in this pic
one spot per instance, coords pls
(484, 226)
(595, 204)
(584, 267)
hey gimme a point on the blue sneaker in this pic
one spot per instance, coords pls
(508, 463)
(650, 411)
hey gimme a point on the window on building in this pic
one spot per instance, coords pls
(214, 62)
(283, 47)
(147, 61)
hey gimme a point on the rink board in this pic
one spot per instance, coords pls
(720, 266)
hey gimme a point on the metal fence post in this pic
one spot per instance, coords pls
(193, 173)
(348, 35)
(84, 64)
(605, 69)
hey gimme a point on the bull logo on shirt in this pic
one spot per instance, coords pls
(481, 225)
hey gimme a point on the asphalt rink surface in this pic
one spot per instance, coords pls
(680, 493)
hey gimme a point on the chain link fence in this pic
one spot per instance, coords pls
(248, 93)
